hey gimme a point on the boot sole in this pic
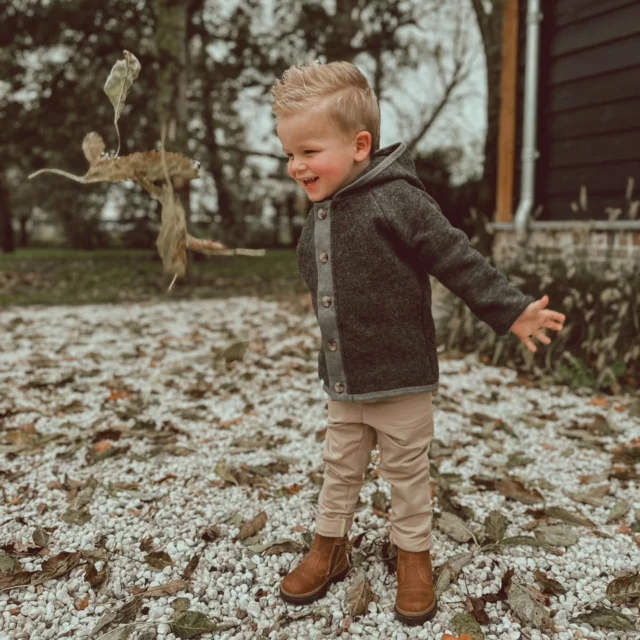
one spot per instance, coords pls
(416, 619)
(315, 595)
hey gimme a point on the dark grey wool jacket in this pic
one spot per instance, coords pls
(365, 255)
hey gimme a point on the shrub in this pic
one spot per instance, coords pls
(599, 346)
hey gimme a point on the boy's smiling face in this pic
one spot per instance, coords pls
(322, 158)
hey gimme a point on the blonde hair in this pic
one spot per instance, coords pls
(339, 88)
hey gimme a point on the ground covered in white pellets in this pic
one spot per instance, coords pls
(160, 466)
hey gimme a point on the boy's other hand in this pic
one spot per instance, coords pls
(532, 322)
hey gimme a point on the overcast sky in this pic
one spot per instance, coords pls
(462, 124)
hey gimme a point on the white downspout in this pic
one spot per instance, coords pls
(529, 151)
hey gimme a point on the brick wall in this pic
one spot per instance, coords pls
(618, 243)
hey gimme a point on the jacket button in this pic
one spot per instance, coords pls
(324, 257)
(322, 214)
(339, 387)
(332, 345)
(326, 301)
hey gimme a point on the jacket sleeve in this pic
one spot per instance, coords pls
(444, 251)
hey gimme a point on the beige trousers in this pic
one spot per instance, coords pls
(403, 427)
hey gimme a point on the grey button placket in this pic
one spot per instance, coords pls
(326, 300)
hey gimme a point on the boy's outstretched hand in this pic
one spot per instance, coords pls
(532, 322)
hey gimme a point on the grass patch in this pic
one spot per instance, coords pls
(59, 276)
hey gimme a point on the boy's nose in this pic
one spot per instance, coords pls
(298, 165)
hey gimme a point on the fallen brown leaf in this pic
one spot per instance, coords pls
(101, 446)
(166, 589)
(252, 527)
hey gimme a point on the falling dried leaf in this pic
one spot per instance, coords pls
(120, 80)
(147, 168)
(172, 239)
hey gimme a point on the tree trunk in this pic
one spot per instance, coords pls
(338, 45)
(23, 238)
(228, 206)
(7, 240)
(171, 42)
(490, 25)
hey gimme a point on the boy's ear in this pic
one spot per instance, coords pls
(363, 146)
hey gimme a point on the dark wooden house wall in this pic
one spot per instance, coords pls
(589, 105)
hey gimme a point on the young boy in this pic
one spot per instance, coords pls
(369, 243)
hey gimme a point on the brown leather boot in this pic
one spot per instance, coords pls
(416, 599)
(326, 562)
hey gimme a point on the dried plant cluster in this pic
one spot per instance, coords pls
(628, 212)
(600, 344)
(158, 172)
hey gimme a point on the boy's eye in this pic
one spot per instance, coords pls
(308, 152)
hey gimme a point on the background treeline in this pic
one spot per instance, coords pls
(208, 65)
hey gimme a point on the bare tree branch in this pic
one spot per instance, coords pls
(460, 72)
(251, 152)
(456, 79)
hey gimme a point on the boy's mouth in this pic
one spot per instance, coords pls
(307, 182)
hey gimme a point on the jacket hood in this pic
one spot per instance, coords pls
(390, 163)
